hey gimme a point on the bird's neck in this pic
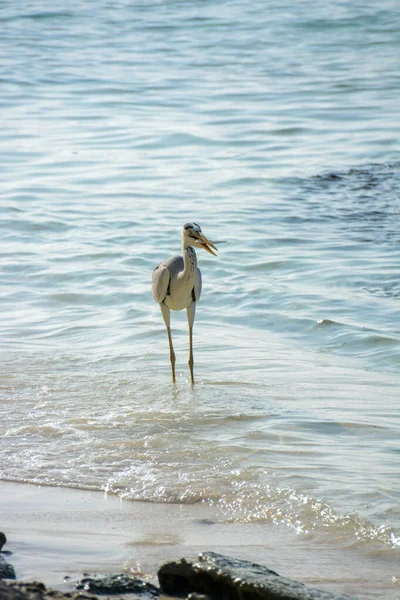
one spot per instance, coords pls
(189, 262)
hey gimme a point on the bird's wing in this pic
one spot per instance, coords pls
(161, 279)
(197, 284)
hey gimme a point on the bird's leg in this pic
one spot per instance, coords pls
(171, 354)
(191, 362)
(167, 320)
(191, 311)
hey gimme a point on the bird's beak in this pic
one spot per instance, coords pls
(206, 244)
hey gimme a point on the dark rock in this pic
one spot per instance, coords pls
(117, 584)
(223, 578)
(6, 570)
(3, 540)
(18, 590)
(9, 593)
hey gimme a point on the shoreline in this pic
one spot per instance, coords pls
(56, 533)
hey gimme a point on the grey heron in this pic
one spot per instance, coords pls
(177, 285)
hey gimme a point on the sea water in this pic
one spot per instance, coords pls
(276, 127)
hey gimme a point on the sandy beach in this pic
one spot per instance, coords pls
(57, 534)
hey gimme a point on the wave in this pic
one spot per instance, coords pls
(283, 507)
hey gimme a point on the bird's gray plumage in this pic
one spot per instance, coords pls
(177, 292)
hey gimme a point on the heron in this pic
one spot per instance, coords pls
(177, 285)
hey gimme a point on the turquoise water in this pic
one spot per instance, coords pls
(276, 128)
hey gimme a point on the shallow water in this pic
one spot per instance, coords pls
(278, 131)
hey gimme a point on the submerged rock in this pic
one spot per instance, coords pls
(117, 584)
(224, 578)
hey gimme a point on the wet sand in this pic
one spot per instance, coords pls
(59, 533)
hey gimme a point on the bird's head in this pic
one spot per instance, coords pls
(193, 236)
